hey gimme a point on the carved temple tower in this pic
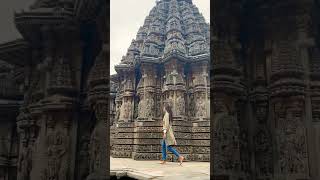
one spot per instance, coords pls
(167, 62)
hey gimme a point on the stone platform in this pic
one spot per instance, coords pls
(144, 170)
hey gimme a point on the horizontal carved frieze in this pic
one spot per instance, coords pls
(123, 141)
(200, 142)
(148, 129)
(128, 148)
(201, 150)
(201, 157)
(201, 136)
(121, 154)
(200, 129)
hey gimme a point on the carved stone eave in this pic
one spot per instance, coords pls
(258, 94)
(228, 87)
(199, 58)
(58, 102)
(123, 68)
(181, 88)
(148, 60)
(174, 55)
(141, 90)
(287, 87)
(29, 23)
(15, 52)
(293, 72)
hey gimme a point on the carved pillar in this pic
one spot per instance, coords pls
(99, 102)
(227, 116)
(127, 93)
(200, 86)
(288, 109)
(24, 164)
(147, 93)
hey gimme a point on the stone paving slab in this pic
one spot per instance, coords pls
(145, 170)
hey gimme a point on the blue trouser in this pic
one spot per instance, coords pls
(170, 148)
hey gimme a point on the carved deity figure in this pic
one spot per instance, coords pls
(201, 107)
(263, 151)
(263, 144)
(226, 140)
(192, 106)
(25, 162)
(141, 106)
(95, 152)
(180, 105)
(57, 152)
(292, 140)
(149, 106)
(128, 85)
(118, 108)
(84, 156)
(126, 110)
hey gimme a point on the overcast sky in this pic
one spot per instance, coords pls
(126, 16)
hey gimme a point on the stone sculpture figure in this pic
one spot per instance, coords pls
(180, 105)
(149, 107)
(95, 151)
(292, 141)
(24, 162)
(57, 153)
(126, 111)
(227, 141)
(128, 85)
(121, 111)
(201, 107)
(140, 108)
(192, 106)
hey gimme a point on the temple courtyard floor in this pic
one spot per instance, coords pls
(125, 167)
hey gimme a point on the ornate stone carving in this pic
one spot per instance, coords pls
(24, 162)
(180, 105)
(126, 110)
(58, 156)
(263, 144)
(201, 107)
(292, 138)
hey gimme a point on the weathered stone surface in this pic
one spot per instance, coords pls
(264, 91)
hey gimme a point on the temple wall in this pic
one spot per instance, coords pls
(186, 88)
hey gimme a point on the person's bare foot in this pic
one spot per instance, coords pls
(181, 158)
(162, 162)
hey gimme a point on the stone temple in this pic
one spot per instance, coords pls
(168, 61)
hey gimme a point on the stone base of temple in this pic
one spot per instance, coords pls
(142, 140)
